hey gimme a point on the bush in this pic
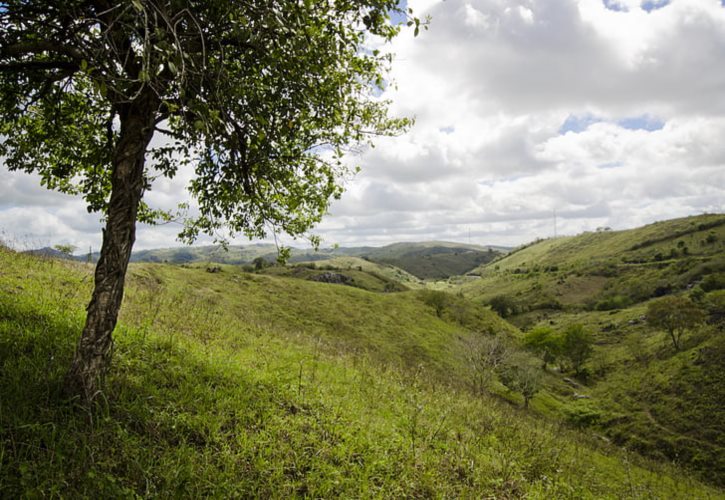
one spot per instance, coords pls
(613, 302)
(576, 346)
(504, 306)
(436, 299)
(545, 342)
(583, 414)
(713, 282)
(519, 375)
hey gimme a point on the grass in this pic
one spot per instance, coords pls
(240, 385)
(644, 394)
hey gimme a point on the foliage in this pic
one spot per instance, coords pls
(210, 399)
(675, 315)
(484, 355)
(584, 414)
(250, 93)
(435, 299)
(715, 281)
(260, 263)
(576, 346)
(65, 249)
(545, 342)
(261, 100)
(613, 302)
(518, 374)
(503, 305)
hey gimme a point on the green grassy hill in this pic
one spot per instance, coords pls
(642, 393)
(425, 260)
(363, 273)
(435, 260)
(609, 269)
(232, 384)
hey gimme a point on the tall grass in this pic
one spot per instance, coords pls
(211, 396)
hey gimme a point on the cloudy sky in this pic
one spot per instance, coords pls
(603, 112)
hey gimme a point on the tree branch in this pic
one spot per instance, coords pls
(38, 65)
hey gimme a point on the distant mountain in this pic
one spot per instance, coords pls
(425, 260)
(433, 260)
(51, 253)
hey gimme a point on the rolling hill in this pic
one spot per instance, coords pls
(236, 384)
(640, 391)
(425, 260)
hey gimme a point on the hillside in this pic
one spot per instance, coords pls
(433, 260)
(231, 384)
(642, 392)
(610, 268)
(424, 260)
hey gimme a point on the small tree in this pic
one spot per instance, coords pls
(545, 342)
(260, 263)
(675, 315)
(576, 346)
(503, 306)
(484, 355)
(519, 375)
(436, 299)
(66, 250)
(259, 99)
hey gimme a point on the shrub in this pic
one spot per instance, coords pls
(576, 346)
(714, 281)
(583, 414)
(675, 315)
(504, 306)
(519, 375)
(436, 299)
(613, 302)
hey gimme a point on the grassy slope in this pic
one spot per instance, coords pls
(424, 259)
(384, 270)
(241, 385)
(581, 270)
(362, 274)
(644, 394)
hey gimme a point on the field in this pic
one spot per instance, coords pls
(238, 384)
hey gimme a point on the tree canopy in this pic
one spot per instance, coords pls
(260, 99)
(675, 315)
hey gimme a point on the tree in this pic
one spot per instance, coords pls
(576, 346)
(436, 299)
(260, 99)
(675, 315)
(260, 263)
(519, 375)
(503, 306)
(484, 355)
(66, 249)
(545, 342)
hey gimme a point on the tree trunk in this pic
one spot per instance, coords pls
(675, 340)
(93, 354)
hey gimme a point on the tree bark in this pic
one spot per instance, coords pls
(93, 354)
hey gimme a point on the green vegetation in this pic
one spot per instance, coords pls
(248, 95)
(419, 261)
(675, 315)
(231, 384)
(652, 302)
(434, 261)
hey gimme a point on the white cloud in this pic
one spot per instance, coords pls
(491, 84)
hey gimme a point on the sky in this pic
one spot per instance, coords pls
(533, 118)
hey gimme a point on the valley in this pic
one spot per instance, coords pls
(229, 379)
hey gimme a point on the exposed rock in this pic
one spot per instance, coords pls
(334, 278)
(571, 382)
